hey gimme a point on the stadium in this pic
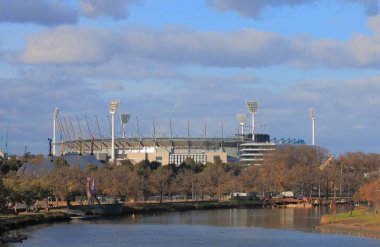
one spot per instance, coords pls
(244, 148)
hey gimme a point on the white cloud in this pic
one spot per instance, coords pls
(359, 126)
(69, 45)
(180, 46)
(85, 45)
(113, 86)
(114, 8)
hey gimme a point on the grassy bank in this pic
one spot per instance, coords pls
(10, 222)
(185, 206)
(357, 222)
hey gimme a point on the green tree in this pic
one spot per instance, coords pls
(16, 187)
(26, 190)
(126, 162)
(9, 165)
(4, 194)
(90, 168)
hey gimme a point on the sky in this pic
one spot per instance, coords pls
(195, 62)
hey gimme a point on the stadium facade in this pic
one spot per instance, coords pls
(175, 150)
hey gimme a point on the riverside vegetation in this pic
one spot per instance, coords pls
(364, 220)
(358, 222)
(289, 168)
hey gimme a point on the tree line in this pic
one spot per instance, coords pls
(288, 168)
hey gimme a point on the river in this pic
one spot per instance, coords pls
(224, 227)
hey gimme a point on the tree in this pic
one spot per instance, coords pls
(4, 194)
(22, 189)
(9, 165)
(329, 178)
(59, 162)
(119, 181)
(17, 188)
(184, 182)
(143, 171)
(370, 193)
(126, 162)
(90, 168)
(154, 165)
(249, 178)
(358, 169)
(43, 191)
(66, 180)
(217, 181)
(160, 181)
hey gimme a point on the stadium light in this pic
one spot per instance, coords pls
(113, 107)
(124, 120)
(312, 115)
(55, 115)
(241, 118)
(252, 108)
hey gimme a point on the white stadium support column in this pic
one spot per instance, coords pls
(113, 107)
(252, 107)
(312, 115)
(55, 115)
(241, 118)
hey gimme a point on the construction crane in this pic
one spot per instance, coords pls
(6, 141)
(326, 163)
(322, 167)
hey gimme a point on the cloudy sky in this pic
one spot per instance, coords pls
(196, 61)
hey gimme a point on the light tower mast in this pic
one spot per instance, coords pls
(312, 115)
(252, 107)
(241, 117)
(55, 115)
(124, 120)
(113, 107)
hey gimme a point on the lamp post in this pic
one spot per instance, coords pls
(252, 107)
(312, 115)
(113, 107)
(55, 115)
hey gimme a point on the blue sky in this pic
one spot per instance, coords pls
(196, 61)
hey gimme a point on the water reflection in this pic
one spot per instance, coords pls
(305, 219)
(227, 227)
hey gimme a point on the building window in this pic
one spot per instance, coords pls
(159, 158)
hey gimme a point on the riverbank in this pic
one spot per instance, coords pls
(186, 206)
(11, 222)
(358, 222)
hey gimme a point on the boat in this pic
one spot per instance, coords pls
(108, 209)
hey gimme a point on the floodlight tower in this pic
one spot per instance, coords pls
(312, 115)
(55, 115)
(124, 120)
(241, 118)
(113, 107)
(252, 107)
